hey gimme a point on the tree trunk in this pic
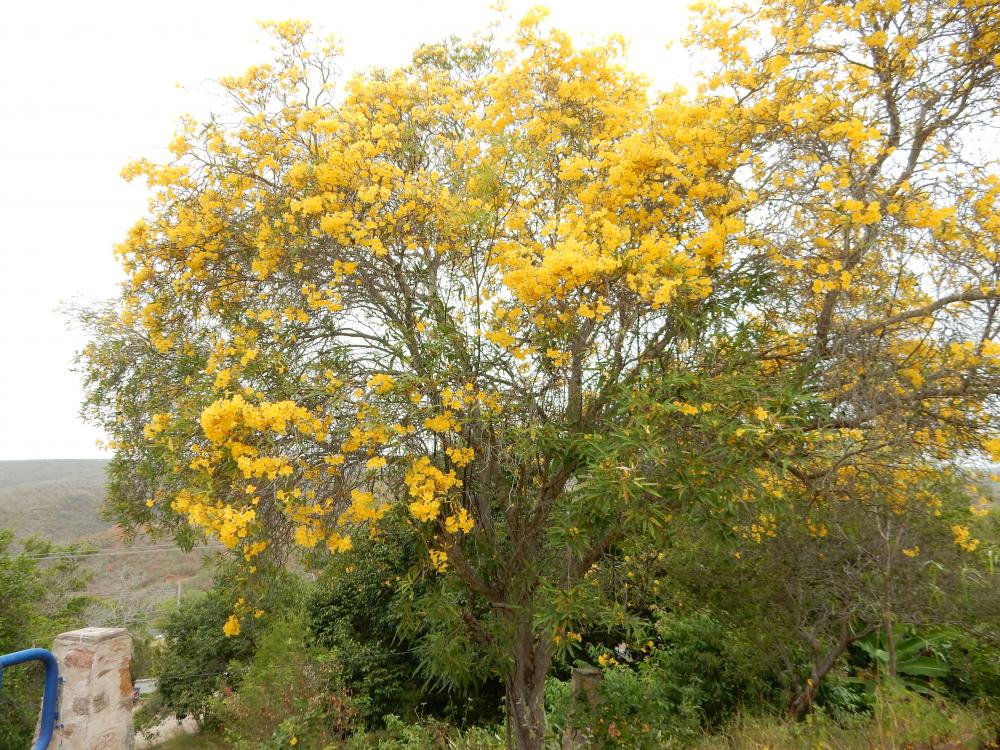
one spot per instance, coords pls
(525, 694)
(887, 618)
(807, 694)
(803, 700)
(890, 646)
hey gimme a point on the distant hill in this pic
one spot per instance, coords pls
(57, 499)
(61, 500)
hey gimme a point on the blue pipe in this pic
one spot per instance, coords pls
(49, 696)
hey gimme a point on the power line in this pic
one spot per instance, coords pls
(114, 553)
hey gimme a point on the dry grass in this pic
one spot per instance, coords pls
(901, 721)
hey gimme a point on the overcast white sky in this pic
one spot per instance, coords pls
(87, 86)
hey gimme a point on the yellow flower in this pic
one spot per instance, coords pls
(232, 627)
(307, 536)
(992, 447)
(156, 425)
(339, 543)
(683, 408)
(381, 382)
(461, 521)
(461, 457)
(439, 559)
(425, 482)
(426, 510)
(961, 536)
(442, 422)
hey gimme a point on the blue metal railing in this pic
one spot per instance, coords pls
(50, 694)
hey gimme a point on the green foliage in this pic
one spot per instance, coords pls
(292, 694)
(899, 718)
(694, 674)
(197, 654)
(201, 741)
(355, 610)
(37, 602)
(350, 611)
(916, 655)
(974, 668)
(426, 735)
(705, 666)
(150, 713)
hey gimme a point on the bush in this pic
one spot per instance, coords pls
(427, 734)
(350, 612)
(197, 654)
(290, 695)
(900, 718)
(354, 612)
(692, 677)
(974, 669)
(37, 602)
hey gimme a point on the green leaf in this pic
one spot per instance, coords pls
(923, 666)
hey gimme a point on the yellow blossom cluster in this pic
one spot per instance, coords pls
(963, 538)
(362, 509)
(230, 524)
(461, 457)
(156, 425)
(223, 417)
(231, 627)
(443, 423)
(461, 521)
(427, 486)
(439, 560)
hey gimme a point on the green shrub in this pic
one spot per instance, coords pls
(974, 669)
(196, 654)
(353, 611)
(37, 602)
(900, 718)
(427, 734)
(693, 676)
(291, 695)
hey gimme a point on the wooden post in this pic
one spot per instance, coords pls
(585, 685)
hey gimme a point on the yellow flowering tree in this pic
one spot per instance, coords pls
(509, 299)
(875, 203)
(437, 294)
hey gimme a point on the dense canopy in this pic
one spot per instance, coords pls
(514, 302)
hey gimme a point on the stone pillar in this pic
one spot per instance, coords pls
(95, 703)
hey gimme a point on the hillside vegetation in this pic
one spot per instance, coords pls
(59, 500)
